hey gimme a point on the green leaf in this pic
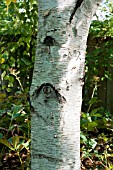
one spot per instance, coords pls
(92, 125)
(94, 111)
(6, 143)
(98, 115)
(1, 135)
(15, 141)
(8, 89)
(14, 116)
(17, 108)
(83, 137)
(92, 143)
(2, 112)
(93, 100)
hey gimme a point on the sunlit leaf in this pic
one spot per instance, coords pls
(8, 2)
(83, 137)
(2, 60)
(92, 143)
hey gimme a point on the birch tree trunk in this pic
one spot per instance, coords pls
(56, 90)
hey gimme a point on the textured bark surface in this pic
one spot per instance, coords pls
(56, 91)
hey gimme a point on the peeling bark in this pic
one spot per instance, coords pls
(56, 91)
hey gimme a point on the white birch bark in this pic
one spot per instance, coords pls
(56, 91)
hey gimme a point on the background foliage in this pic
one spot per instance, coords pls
(17, 51)
(96, 119)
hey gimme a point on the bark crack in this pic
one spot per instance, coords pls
(78, 4)
(41, 156)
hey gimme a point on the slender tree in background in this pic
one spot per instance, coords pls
(56, 90)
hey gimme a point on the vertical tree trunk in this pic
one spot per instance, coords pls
(56, 91)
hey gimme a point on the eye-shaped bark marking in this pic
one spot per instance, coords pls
(47, 89)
